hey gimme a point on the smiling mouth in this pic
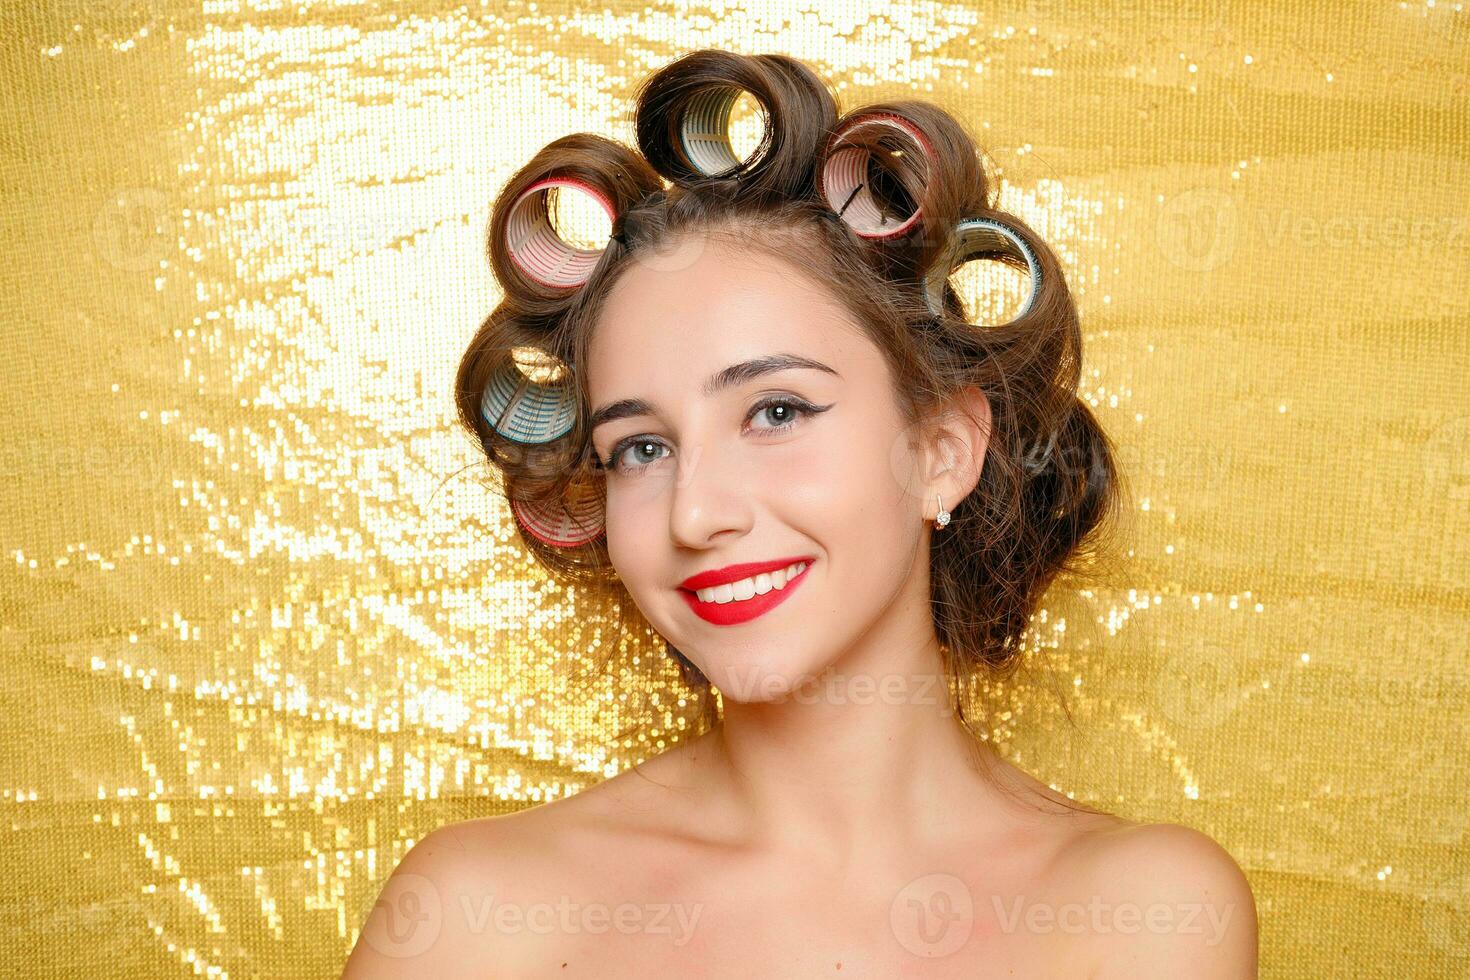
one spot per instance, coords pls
(739, 602)
(749, 588)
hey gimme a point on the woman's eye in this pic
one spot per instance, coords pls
(786, 411)
(782, 413)
(641, 451)
(638, 452)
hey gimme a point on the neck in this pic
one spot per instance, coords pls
(867, 754)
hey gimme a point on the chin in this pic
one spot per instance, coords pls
(766, 659)
(756, 676)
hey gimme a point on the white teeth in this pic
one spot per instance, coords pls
(747, 588)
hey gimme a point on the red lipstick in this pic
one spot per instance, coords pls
(740, 610)
(734, 573)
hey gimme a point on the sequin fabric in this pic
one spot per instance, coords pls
(264, 626)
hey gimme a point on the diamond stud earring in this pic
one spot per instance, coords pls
(943, 517)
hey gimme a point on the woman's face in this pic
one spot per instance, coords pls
(718, 465)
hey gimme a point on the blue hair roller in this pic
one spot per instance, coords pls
(527, 411)
(982, 238)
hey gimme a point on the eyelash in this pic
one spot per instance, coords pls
(804, 409)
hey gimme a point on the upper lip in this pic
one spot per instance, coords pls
(734, 573)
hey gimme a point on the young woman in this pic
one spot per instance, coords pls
(770, 427)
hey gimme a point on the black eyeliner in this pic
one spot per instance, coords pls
(801, 404)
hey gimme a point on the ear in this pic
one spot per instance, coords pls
(953, 452)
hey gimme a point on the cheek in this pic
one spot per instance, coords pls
(627, 543)
(846, 474)
(636, 517)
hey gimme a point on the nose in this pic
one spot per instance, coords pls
(710, 498)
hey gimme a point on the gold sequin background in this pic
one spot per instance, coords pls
(263, 627)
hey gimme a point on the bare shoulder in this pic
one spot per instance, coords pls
(433, 914)
(451, 906)
(1164, 900)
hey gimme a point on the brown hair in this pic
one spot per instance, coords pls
(1049, 481)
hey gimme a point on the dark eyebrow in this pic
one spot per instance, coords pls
(735, 374)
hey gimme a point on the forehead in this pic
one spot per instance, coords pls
(676, 318)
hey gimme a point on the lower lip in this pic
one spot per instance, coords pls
(742, 610)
